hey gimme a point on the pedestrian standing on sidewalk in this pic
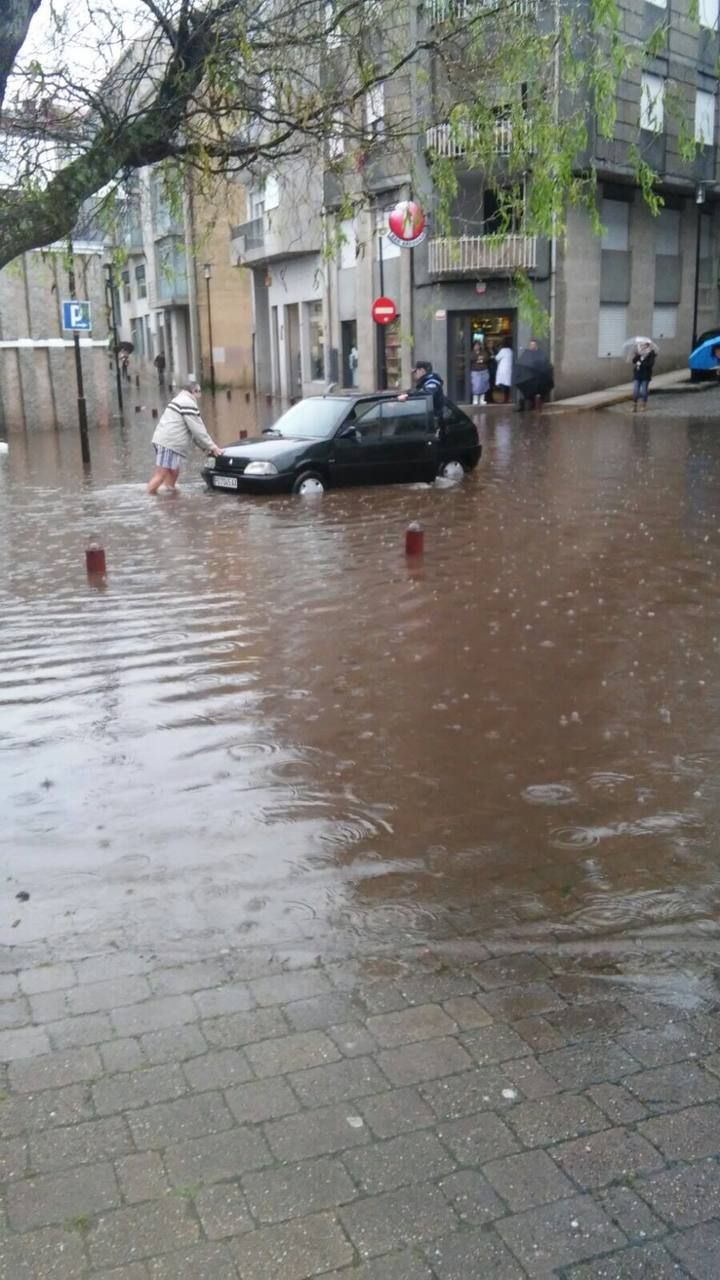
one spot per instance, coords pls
(642, 361)
(504, 368)
(159, 363)
(479, 373)
(179, 428)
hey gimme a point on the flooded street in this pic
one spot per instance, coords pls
(271, 727)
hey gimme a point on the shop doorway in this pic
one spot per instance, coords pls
(465, 328)
(349, 353)
(292, 351)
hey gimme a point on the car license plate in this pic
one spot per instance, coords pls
(225, 482)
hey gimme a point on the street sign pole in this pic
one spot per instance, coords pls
(81, 402)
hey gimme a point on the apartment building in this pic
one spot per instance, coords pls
(316, 273)
(176, 285)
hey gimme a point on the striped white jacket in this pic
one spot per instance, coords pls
(181, 426)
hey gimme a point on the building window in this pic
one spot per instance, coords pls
(704, 118)
(348, 244)
(272, 193)
(126, 293)
(374, 111)
(336, 140)
(316, 333)
(140, 281)
(615, 215)
(257, 205)
(652, 103)
(665, 322)
(667, 233)
(612, 329)
(708, 13)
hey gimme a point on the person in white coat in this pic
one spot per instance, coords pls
(179, 428)
(504, 368)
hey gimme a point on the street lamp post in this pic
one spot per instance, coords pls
(207, 270)
(699, 201)
(110, 293)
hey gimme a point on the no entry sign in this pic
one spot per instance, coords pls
(383, 310)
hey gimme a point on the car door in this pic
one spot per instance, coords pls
(356, 456)
(409, 439)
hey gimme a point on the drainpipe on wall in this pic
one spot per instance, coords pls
(191, 264)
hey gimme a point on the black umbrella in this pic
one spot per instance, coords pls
(126, 346)
(533, 374)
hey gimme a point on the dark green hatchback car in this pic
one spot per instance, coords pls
(326, 441)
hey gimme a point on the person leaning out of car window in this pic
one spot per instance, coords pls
(179, 428)
(427, 383)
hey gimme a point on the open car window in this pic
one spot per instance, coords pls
(406, 419)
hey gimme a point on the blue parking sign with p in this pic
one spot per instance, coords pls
(77, 316)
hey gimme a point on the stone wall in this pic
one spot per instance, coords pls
(38, 389)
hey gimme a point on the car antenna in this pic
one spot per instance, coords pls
(331, 386)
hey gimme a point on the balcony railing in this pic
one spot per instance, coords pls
(250, 234)
(451, 143)
(453, 10)
(457, 255)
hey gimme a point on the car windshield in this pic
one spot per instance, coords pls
(311, 419)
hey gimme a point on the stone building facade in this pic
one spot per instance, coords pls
(38, 388)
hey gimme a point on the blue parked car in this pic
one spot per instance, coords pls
(703, 362)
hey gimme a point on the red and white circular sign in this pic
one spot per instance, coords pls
(406, 224)
(384, 311)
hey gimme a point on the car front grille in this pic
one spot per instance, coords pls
(230, 466)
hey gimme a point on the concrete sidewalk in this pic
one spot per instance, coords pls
(677, 379)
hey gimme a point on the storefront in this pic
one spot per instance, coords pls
(466, 328)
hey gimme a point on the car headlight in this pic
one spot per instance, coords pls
(210, 461)
(261, 469)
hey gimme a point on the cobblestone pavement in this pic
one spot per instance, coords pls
(443, 1112)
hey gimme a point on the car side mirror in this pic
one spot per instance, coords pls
(349, 433)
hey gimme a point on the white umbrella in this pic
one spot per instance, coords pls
(630, 346)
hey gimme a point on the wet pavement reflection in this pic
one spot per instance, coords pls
(270, 724)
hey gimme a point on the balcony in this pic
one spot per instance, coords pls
(273, 236)
(451, 144)
(456, 10)
(249, 236)
(464, 255)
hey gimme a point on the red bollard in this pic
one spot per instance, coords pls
(95, 560)
(414, 539)
(243, 435)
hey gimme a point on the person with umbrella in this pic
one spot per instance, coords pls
(125, 350)
(642, 353)
(534, 377)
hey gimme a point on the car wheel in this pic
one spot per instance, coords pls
(309, 484)
(452, 470)
(695, 375)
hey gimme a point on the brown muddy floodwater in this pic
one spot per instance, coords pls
(272, 727)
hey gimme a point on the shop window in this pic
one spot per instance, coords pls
(393, 354)
(316, 333)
